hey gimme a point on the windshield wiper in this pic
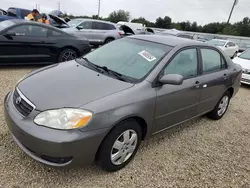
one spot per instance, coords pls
(105, 69)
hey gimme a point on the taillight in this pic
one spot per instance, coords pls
(120, 33)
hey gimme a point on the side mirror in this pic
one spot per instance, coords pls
(172, 79)
(79, 27)
(10, 35)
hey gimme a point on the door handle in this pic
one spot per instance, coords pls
(225, 76)
(197, 84)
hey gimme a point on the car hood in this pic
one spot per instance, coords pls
(57, 20)
(67, 85)
(244, 63)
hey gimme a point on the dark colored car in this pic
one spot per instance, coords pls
(26, 42)
(101, 106)
(15, 13)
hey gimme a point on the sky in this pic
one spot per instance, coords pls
(201, 11)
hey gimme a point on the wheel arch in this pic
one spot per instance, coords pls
(143, 125)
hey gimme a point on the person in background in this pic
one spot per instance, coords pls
(44, 19)
(32, 15)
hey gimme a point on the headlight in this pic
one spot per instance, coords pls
(65, 118)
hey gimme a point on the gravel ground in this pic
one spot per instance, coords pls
(200, 153)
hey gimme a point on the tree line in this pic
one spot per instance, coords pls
(241, 28)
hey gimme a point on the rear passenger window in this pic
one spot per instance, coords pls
(212, 61)
(102, 26)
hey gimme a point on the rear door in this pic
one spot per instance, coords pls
(215, 78)
(100, 31)
(29, 44)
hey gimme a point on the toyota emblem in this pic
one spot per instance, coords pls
(18, 100)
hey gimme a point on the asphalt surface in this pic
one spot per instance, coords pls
(200, 153)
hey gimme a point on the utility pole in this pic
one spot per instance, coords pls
(99, 6)
(235, 3)
(59, 6)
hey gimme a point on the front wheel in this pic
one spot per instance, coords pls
(120, 146)
(221, 107)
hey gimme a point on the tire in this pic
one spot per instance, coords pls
(122, 156)
(220, 109)
(67, 55)
(108, 40)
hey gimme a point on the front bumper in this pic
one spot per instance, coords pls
(50, 146)
(245, 79)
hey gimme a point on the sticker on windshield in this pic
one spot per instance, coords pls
(146, 55)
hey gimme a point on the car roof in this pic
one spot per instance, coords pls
(89, 19)
(167, 40)
(21, 21)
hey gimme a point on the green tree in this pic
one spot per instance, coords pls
(163, 22)
(120, 15)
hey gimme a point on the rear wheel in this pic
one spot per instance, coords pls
(221, 107)
(67, 55)
(108, 40)
(120, 146)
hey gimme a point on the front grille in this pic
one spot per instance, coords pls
(23, 106)
(245, 80)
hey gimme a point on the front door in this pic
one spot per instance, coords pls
(177, 103)
(28, 44)
(214, 80)
(85, 31)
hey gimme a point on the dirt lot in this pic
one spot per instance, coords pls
(200, 153)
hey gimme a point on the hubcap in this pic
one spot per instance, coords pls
(124, 147)
(69, 55)
(223, 105)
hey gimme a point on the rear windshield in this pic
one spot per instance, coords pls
(5, 24)
(130, 57)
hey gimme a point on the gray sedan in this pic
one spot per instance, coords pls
(101, 106)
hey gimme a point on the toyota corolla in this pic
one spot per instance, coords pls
(101, 106)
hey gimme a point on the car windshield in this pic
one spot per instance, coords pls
(132, 58)
(217, 42)
(74, 23)
(245, 54)
(5, 24)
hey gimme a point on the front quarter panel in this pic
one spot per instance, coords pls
(138, 101)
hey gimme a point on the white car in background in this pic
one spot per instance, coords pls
(229, 47)
(243, 60)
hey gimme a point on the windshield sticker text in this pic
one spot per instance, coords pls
(146, 55)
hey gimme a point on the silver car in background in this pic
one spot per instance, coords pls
(96, 31)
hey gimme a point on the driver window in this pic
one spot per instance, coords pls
(185, 63)
(86, 25)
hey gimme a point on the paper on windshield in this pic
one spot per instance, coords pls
(146, 55)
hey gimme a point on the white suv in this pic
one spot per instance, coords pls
(96, 31)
